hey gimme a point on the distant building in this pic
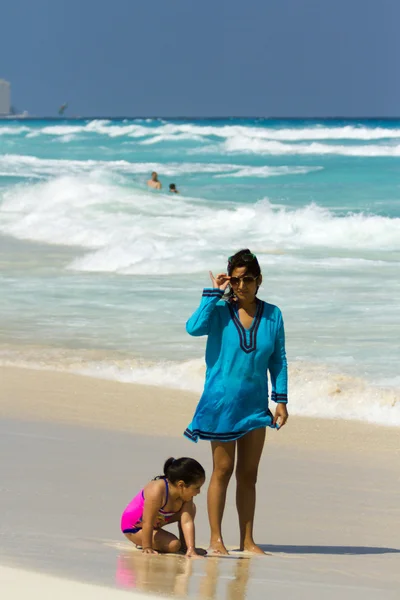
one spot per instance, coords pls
(5, 97)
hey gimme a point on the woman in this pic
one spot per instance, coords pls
(245, 340)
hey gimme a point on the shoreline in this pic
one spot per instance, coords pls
(69, 398)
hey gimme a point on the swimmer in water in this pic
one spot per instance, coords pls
(154, 183)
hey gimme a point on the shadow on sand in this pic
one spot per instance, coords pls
(351, 550)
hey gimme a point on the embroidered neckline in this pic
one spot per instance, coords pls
(248, 337)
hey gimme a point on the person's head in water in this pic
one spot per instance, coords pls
(172, 188)
(154, 182)
(245, 275)
(186, 474)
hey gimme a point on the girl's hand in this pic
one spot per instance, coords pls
(149, 551)
(221, 281)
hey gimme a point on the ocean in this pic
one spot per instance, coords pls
(98, 274)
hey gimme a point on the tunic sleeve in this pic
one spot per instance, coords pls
(277, 366)
(198, 324)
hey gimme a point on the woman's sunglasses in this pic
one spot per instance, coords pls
(247, 280)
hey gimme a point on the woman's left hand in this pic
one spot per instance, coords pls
(281, 415)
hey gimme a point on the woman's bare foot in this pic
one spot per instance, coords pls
(200, 551)
(252, 547)
(217, 548)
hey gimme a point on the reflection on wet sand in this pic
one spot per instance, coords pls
(209, 578)
(225, 579)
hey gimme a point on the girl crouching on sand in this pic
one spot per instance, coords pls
(166, 499)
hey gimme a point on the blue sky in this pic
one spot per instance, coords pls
(208, 58)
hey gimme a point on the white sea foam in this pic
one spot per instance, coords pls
(167, 131)
(247, 144)
(32, 167)
(99, 127)
(267, 171)
(232, 132)
(177, 137)
(233, 138)
(10, 130)
(315, 390)
(133, 231)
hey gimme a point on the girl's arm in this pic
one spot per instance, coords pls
(199, 322)
(152, 503)
(187, 524)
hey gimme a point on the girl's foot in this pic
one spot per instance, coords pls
(217, 548)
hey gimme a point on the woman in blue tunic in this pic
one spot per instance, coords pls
(246, 340)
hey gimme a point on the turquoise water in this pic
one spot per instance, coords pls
(98, 274)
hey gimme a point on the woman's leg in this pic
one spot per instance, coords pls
(223, 454)
(163, 541)
(250, 448)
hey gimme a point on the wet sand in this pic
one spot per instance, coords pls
(74, 450)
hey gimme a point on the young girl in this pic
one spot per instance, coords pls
(166, 499)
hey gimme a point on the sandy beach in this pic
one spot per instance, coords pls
(74, 450)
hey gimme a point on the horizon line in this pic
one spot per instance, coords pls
(27, 117)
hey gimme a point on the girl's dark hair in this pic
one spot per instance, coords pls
(243, 258)
(183, 469)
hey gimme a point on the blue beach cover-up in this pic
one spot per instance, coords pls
(235, 396)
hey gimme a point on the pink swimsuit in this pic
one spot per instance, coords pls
(131, 520)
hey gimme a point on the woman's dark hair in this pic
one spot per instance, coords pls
(243, 258)
(183, 469)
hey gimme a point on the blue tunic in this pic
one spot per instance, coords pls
(235, 396)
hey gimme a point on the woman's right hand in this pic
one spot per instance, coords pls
(149, 551)
(221, 281)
